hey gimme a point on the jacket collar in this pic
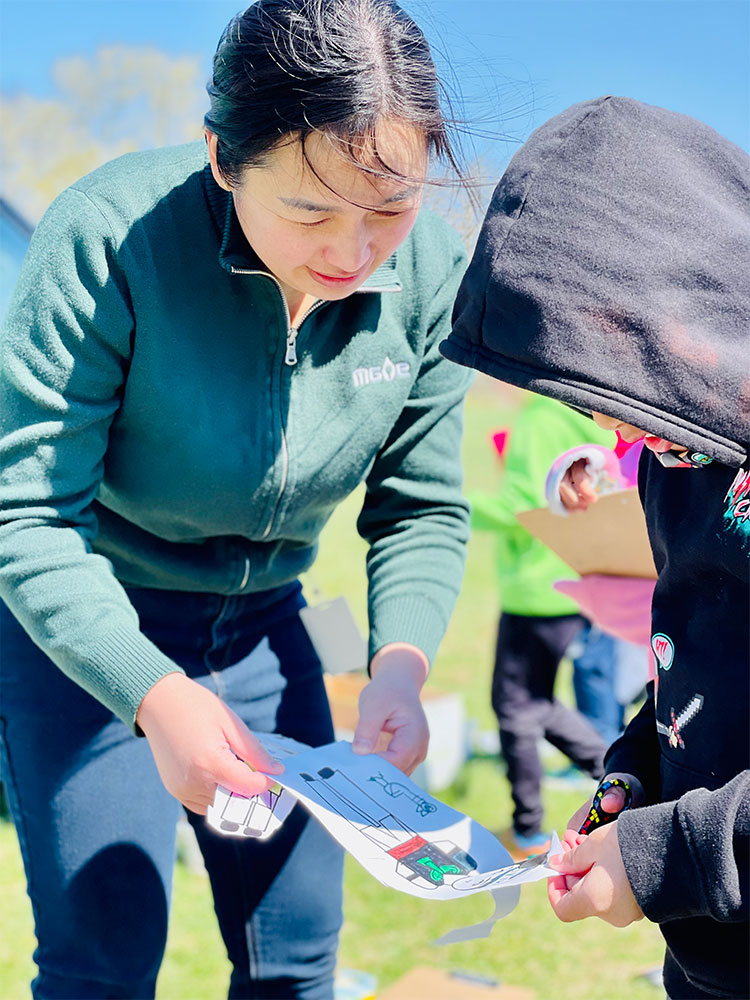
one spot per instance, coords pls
(236, 254)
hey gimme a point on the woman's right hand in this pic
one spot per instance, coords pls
(196, 741)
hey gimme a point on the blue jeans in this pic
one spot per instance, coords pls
(97, 827)
(594, 656)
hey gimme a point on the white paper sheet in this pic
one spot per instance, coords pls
(404, 837)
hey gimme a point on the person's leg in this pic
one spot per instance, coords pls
(519, 656)
(278, 902)
(565, 728)
(95, 826)
(594, 657)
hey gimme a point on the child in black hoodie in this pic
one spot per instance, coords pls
(613, 273)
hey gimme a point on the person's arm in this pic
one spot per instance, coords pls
(633, 757)
(64, 354)
(686, 858)
(636, 751)
(65, 350)
(691, 857)
(416, 523)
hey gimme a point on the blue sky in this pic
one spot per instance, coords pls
(517, 62)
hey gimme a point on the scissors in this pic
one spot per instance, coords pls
(597, 816)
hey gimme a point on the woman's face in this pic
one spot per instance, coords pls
(324, 235)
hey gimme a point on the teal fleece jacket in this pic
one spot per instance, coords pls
(153, 432)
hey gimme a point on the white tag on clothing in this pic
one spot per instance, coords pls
(335, 635)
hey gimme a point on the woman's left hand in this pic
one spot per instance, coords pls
(390, 704)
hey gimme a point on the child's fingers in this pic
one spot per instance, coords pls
(578, 861)
(559, 886)
(571, 838)
(556, 889)
(613, 800)
(575, 903)
(569, 497)
(581, 482)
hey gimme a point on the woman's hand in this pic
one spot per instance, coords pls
(592, 881)
(576, 488)
(390, 703)
(196, 740)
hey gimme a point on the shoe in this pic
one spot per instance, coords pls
(524, 845)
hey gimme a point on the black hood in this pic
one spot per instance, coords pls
(613, 272)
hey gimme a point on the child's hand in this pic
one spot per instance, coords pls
(576, 488)
(592, 881)
(612, 801)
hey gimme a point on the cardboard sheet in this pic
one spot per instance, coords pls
(610, 537)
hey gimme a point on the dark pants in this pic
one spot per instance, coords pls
(529, 650)
(97, 827)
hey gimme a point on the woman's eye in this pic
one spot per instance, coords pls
(309, 225)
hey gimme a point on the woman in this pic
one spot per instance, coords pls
(209, 348)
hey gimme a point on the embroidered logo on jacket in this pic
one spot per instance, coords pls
(663, 648)
(386, 372)
(674, 731)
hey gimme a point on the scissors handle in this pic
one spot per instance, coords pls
(597, 816)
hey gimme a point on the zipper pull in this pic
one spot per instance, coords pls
(290, 358)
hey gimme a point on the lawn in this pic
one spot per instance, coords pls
(386, 933)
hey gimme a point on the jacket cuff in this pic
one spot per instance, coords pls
(121, 668)
(659, 863)
(415, 620)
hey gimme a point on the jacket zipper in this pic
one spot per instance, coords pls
(290, 359)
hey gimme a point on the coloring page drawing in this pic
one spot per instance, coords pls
(402, 835)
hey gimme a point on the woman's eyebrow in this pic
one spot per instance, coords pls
(307, 206)
(311, 206)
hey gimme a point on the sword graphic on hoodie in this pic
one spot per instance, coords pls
(673, 732)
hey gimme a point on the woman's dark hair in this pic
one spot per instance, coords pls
(335, 66)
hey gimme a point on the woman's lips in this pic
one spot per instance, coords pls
(336, 279)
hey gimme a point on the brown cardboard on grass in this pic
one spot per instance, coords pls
(437, 984)
(610, 537)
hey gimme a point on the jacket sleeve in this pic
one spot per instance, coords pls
(636, 752)
(64, 354)
(413, 515)
(691, 857)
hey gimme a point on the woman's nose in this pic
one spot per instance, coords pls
(350, 251)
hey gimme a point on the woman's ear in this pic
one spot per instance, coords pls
(212, 142)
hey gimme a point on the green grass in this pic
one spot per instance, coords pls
(386, 933)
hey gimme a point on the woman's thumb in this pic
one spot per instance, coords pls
(249, 749)
(241, 777)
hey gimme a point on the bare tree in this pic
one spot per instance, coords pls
(121, 99)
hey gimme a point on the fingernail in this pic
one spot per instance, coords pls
(361, 746)
(555, 859)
